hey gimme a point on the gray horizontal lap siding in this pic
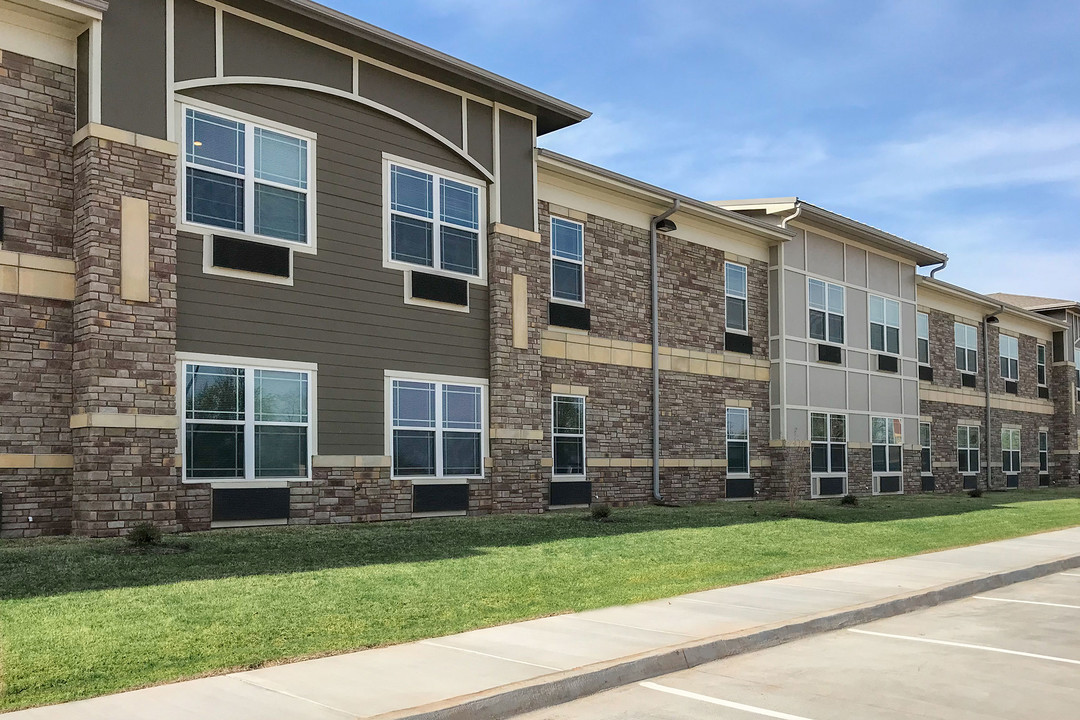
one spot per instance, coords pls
(344, 311)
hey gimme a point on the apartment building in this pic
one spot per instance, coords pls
(264, 263)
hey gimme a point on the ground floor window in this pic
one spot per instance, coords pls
(925, 443)
(886, 437)
(568, 434)
(737, 429)
(1044, 452)
(437, 428)
(828, 443)
(1010, 450)
(967, 449)
(245, 422)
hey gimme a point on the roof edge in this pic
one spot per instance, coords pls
(987, 301)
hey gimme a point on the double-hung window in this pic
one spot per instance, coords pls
(243, 177)
(926, 445)
(886, 437)
(735, 294)
(1044, 452)
(737, 429)
(922, 332)
(967, 348)
(1009, 356)
(434, 220)
(1010, 450)
(245, 422)
(828, 443)
(967, 449)
(1040, 364)
(568, 435)
(884, 325)
(438, 429)
(826, 311)
(567, 260)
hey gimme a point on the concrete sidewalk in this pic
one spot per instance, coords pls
(502, 671)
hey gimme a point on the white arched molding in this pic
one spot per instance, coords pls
(280, 82)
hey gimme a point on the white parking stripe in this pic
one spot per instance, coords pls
(1070, 574)
(967, 645)
(722, 703)
(1027, 602)
(489, 655)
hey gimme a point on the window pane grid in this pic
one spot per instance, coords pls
(567, 260)
(568, 434)
(886, 437)
(884, 325)
(828, 443)
(1009, 350)
(826, 303)
(967, 348)
(437, 429)
(735, 290)
(434, 224)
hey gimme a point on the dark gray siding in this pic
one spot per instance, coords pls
(438, 109)
(480, 142)
(253, 49)
(82, 79)
(345, 312)
(193, 39)
(516, 170)
(133, 90)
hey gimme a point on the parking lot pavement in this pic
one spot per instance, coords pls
(1011, 653)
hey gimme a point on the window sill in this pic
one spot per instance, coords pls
(454, 480)
(480, 279)
(738, 476)
(567, 478)
(204, 230)
(240, 484)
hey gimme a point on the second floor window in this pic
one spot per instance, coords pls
(1040, 364)
(567, 260)
(922, 332)
(828, 443)
(886, 438)
(434, 221)
(967, 348)
(1010, 357)
(1010, 451)
(826, 311)
(243, 177)
(735, 293)
(967, 449)
(884, 325)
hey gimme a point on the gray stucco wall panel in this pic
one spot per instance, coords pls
(828, 387)
(516, 170)
(481, 144)
(435, 108)
(253, 49)
(884, 274)
(194, 40)
(824, 257)
(886, 395)
(133, 88)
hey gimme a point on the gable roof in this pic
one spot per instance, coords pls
(1036, 303)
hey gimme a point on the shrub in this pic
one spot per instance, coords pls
(144, 535)
(600, 512)
(849, 499)
(977, 492)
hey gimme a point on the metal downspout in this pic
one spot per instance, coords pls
(939, 268)
(656, 348)
(986, 383)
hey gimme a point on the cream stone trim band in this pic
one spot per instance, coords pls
(586, 348)
(125, 420)
(27, 461)
(334, 461)
(929, 393)
(570, 390)
(503, 229)
(516, 434)
(564, 211)
(105, 132)
(37, 276)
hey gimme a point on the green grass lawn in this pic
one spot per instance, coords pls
(80, 618)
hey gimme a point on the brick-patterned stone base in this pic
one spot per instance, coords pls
(44, 495)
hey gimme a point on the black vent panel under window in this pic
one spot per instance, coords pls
(1044, 393)
(967, 380)
(440, 498)
(736, 342)
(889, 484)
(1012, 387)
(254, 257)
(928, 483)
(829, 354)
(250, 504)
(1, 223)
(1044, 480)
(888, 363)
(571, 493)
(1012, 481)
(970, 482)
(740, 487)
(569, 316)
(439, 288)
(831, 486)
(926, 373)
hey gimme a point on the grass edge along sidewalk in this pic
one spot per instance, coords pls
(78, 618)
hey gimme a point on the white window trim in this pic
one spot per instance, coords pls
(929, 360)
(745, 297)
(728, 440)
(930, 447)
(1044, 365)
(842, 343)
(552, 258)
(968, 449)
(252, 364)
(815, 485)
(830, 442)
(182, 225)
(887, 445)
(885, 336)
(571, 477)
(1001, 356)
(1018, 451)
(389, 159)
(965, 347)
(389, 376)
(1044, 453)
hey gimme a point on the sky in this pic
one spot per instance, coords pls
(952, 123)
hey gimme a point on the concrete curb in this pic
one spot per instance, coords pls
(562, 687)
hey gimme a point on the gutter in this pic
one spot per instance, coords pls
(986, 384)
(655, 292)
